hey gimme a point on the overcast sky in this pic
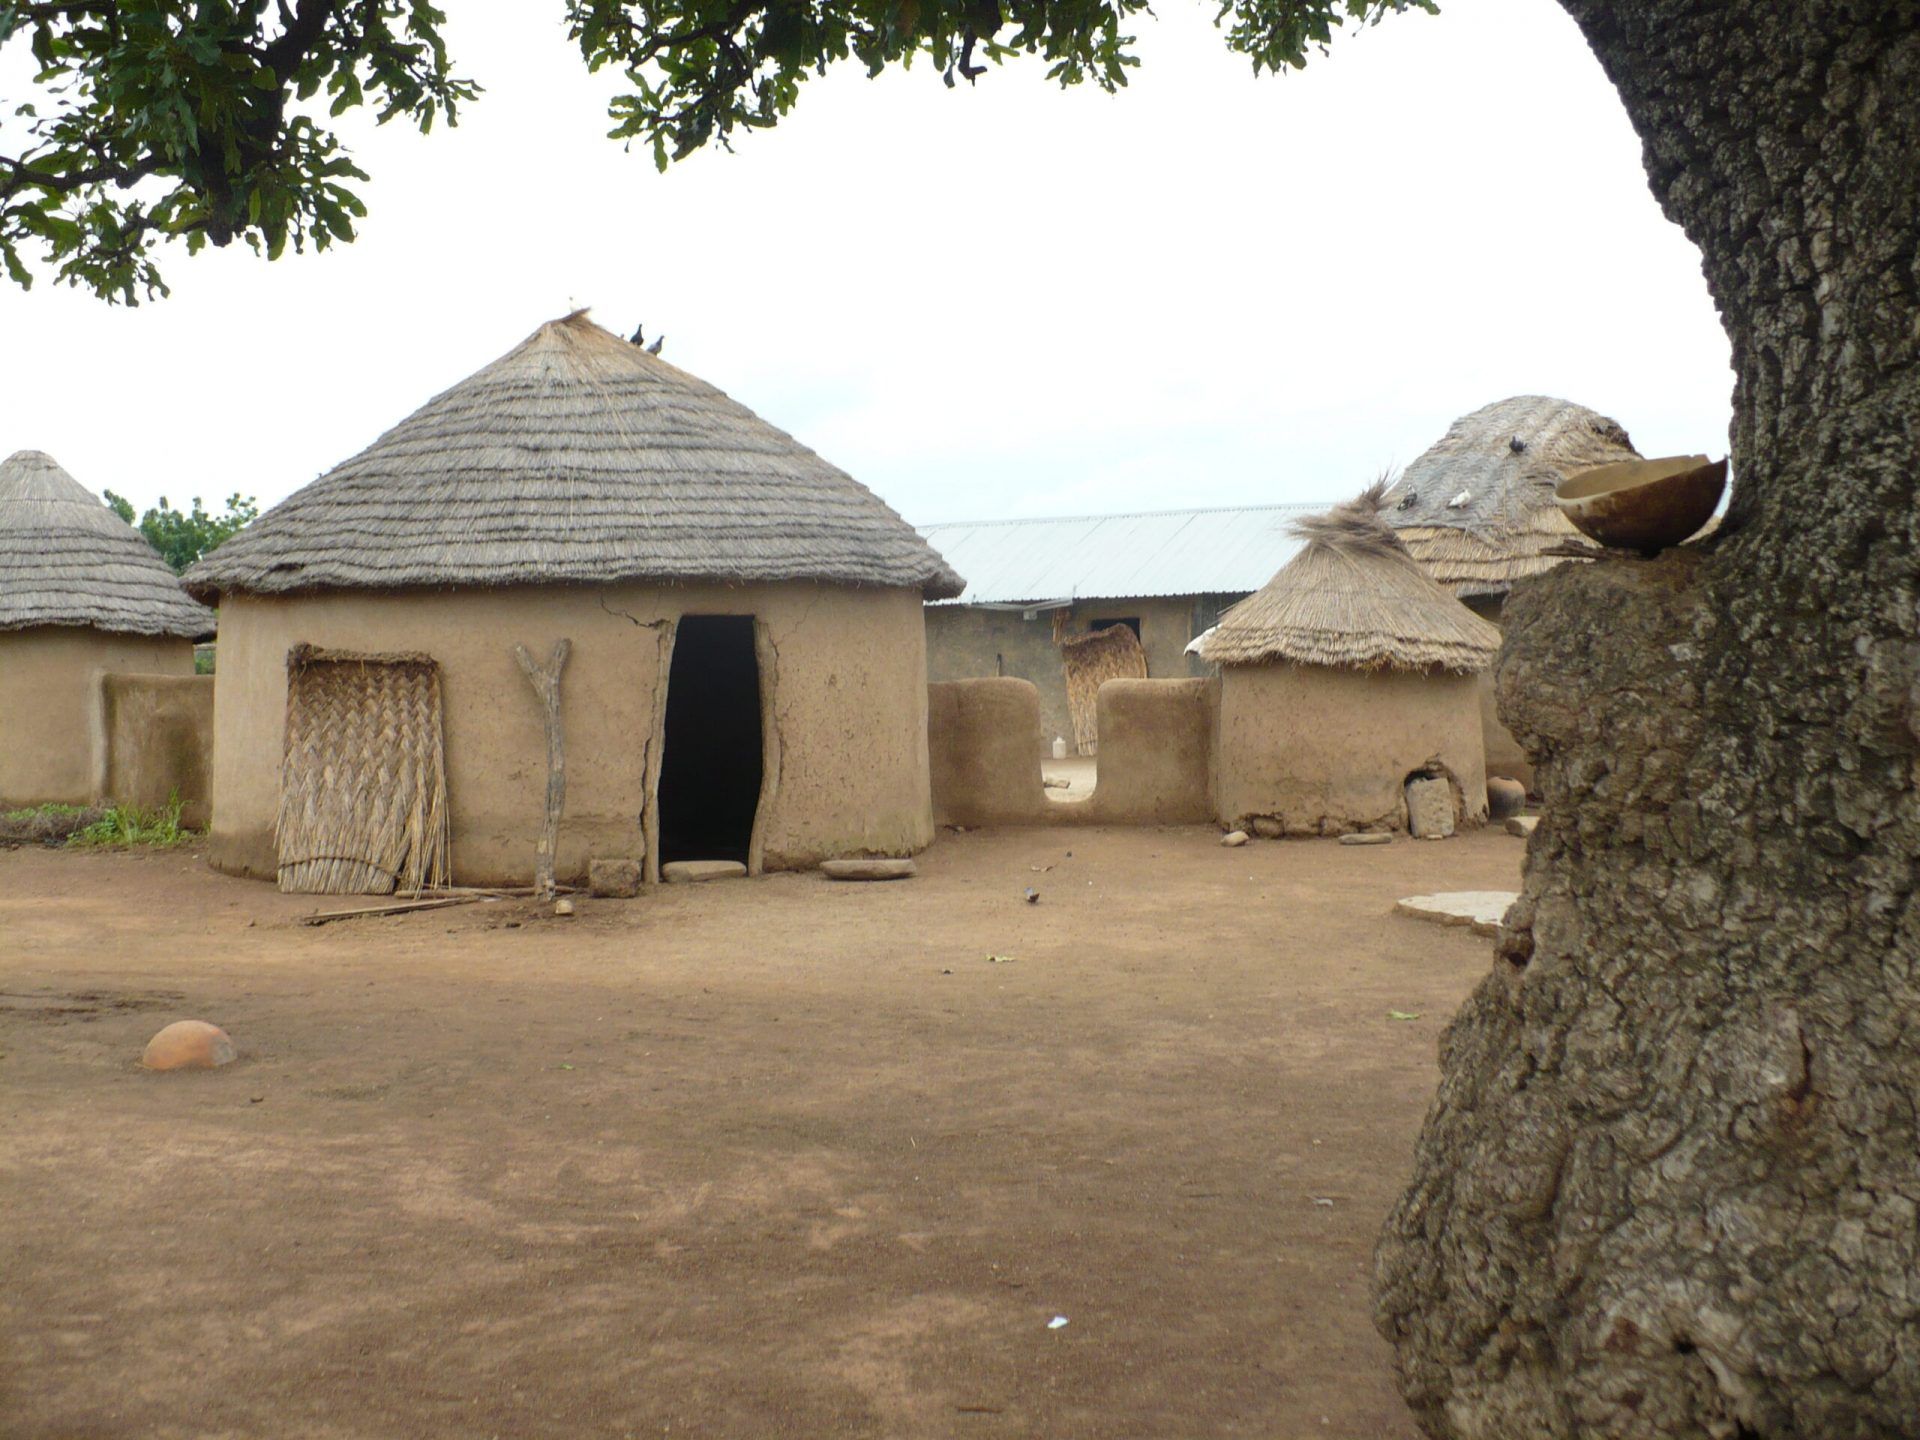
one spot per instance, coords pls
(998, 300)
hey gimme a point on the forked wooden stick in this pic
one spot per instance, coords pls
(546, 684)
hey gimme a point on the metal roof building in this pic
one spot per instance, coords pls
(1046, 562)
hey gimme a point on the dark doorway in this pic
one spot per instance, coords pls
(1132, 622)
(710, 773)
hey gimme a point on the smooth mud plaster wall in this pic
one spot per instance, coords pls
(846, 668)
(983, 742)
(1156, 745)
(160, 742)
(1325, 751)
(52, 743)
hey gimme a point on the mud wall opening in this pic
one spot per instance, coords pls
(710, 766)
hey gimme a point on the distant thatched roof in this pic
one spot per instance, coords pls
(1495, 536)
(1353, 597)
(66, 559)
(577, 457)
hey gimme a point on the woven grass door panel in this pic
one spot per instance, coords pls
(1090, 661)
(363, 784)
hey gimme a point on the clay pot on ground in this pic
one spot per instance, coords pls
(188, 1045)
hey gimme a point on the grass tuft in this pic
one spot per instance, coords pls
(124, 826)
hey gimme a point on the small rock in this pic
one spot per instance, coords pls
(1429, 808)
(614, 879)
(868, 869)
(1268, 828)
(1504, 797)
(691, 872)
(1522, 825)
(1234, 837)
(563, 907)
(1367, 837)
(188, 1045)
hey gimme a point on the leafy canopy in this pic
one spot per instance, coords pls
(182, 538)
(209, 120)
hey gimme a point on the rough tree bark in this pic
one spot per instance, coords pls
(1669, 1184)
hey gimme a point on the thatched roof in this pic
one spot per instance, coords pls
(577, 458)
(66, 559)
(1353, 597)
(1481, 544)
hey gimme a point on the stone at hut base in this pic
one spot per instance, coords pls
(1429, 809)
(1268, 828)
(1504, 797)
(616, 879)
(690, 872)
(188, 1045)
(1234, 837)
(1522, 825)
(1480, 909)
(868, 869)
(1367, 837)
(563, 907)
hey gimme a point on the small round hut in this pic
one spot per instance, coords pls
(1350, 673)
(82, 595)
(580, 588)
(1477, 511)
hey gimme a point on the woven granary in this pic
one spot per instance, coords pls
(82, 594)
(747, 674)
(1477, 508)
(1347, 673)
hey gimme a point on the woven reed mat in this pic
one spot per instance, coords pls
(363, 788)
(1090, 661)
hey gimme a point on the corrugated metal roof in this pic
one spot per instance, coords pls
(1085, 557)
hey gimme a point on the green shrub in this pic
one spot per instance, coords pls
(122, 826)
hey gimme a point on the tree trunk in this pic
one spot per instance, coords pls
(1669, 1184)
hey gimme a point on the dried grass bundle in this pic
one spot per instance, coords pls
(1090, 661)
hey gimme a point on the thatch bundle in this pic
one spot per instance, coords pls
(1505, 460)
(577, 457)
(66, 559)
(1354, 597)
(1090, 661)
(363, 793)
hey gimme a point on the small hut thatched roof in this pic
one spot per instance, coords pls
(1355, 598)
(577, 458)
(66, 559)
(1505, 458)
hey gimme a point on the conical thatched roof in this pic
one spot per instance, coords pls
(1505, 458)
(1353, 597)
(577, 458)
(66, 559)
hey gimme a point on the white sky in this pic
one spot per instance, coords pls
(1004, 300)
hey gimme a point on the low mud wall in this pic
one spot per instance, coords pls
(1156, 754)
(1156, 744)
(158, 732)
(983, 749)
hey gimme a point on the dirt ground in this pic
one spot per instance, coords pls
(759, 1158)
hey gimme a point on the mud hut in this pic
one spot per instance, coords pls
(735, 625)
(1477, 511)
(82, 595)
(1349, 673)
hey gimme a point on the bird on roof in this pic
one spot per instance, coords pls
(654, 348)
(639, 336)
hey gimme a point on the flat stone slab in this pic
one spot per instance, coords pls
(1480, 909)
(868, 869)
(1522, 825)
(690, 872)
(1367, 837)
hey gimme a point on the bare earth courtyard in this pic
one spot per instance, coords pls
(771, 1157)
